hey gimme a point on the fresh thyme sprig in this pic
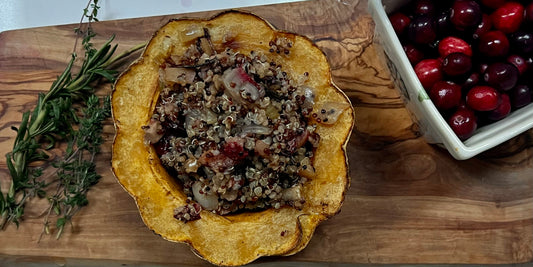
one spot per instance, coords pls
(77, 172)
(55, 119)
(91, 15)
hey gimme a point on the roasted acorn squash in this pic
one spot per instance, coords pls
(240, 238)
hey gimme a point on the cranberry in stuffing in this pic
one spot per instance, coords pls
(234, 150)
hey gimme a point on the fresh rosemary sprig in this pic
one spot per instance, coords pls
(55, 119)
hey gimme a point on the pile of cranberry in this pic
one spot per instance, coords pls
(474, 58)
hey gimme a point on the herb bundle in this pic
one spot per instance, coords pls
(57, 118)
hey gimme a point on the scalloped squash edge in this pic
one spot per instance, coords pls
(241, 238)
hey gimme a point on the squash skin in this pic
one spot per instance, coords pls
(241, 238)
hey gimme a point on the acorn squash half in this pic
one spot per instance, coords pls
(240, 238)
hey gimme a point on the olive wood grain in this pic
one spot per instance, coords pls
(409, 202)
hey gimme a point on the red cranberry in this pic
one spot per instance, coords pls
(162, 146)
(528, 16)
(519, 62)
(465, 14)
(423, 7)
(493, 3)
(501, 75)
(493, 44)
(452, 44)
(421, 30)
(529, 63)
(444, 25)
(445, 95)
(456, 64)
(483, 67)
(483, 27)
(413, 53)
(472, 80)
(399, 22)
(520, 95)
(463, 122)
(482, 98)
(429, 71)
(503, 109)
(508, 17)
(522, 41)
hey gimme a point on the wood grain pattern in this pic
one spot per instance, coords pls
(409, 202)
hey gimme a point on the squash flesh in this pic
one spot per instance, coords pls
(241, 238)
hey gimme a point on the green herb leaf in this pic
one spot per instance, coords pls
(56, 119)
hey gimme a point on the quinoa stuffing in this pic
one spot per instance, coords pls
(234, 129)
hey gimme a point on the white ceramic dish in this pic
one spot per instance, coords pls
(433, 126)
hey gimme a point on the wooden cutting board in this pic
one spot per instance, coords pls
(409, 202)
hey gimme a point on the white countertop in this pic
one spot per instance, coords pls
(20, 14)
